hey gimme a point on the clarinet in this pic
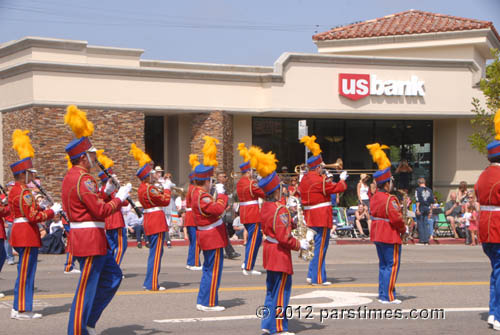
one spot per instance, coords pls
(51, 201)
(117, 185)
(2, 189)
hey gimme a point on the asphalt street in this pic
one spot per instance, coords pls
(453, 278)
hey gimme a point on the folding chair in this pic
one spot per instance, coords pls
(442, 227)
(344, 228)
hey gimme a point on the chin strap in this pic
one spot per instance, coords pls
(90, 161)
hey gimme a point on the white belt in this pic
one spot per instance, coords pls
(153, 209)
(211, 226)
(272, 240)
(86, 224)
(247, 203)
(380, 219)
(323, 204)
(18, 220)
(189, 209)
(490, 208)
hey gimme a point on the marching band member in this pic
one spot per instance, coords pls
(193, 260)
(315, 189)
(69, 266)
(277, 226)
(25, 235)
(153, 199)
(211, 231)
(100, 275)
(487, 190)
(387, 226)
(116, 233)
(248, 195)
(4, 211)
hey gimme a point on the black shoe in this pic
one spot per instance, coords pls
(139, 245)
(234, 255)
(147, 245)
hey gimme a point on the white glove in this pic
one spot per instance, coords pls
(304, 244)
(56, 207)
(344, 175)
(329, 174)
(110, 187)
(167, 184)
(310, 235)
(220, 188)
(123, 192)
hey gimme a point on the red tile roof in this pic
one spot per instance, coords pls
(405, 23)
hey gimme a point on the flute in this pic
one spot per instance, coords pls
(117, 185)
(49, 198)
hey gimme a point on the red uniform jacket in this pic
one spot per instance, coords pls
(248, 190)
(211, 231)
(4, 211)
(277, 225)
(316, 190)
(153, 200)
(82, 203)
(115, 220)
(386, 207)
(189, 218)
(488, 194)
(23, 205)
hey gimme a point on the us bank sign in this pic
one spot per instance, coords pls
(358, 86)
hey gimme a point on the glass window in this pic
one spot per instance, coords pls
(153, 138)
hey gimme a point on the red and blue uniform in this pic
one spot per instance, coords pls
(277, 226)
(153, 200)
(248, 195)
(194, 249)
(100, 275)
(487, 190)
(116, 232)
(315, 191)
(4, 211)
(386, 229)
(25, 239)
(212, 237)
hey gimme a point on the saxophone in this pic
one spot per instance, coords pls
(303, 232)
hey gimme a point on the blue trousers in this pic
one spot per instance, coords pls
(317, 268)
(25, 282)
(117, 239)
(156, 242)
(254, 241)
(70, 262)
(208, 294)
(492, 250)
(98, 283)
(423, 227)
(3, 254)
(278, 289)
(194, 249)
(389, 260)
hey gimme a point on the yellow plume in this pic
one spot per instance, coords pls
(78, 122)
(254, 151)
(378, 155)
(104, 160)
(140, 156)
(210, 151)
(243, 152)
(266, 163)
(193, 161)
(22, 143)
(310, 142)
(69, 162)
(497, 124)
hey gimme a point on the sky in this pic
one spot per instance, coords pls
(211, 31)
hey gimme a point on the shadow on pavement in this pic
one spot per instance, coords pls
(171, 284)
(484, 316)
(297, 326)
(132, 329)
(232, 302)
(341, 280)
(56, 309)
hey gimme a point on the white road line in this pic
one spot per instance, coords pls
(253, 316)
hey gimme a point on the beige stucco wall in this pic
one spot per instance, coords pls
(17, 90)
(242, 132)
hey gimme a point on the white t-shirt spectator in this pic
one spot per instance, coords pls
(55, 225)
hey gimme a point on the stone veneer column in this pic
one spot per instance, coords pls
(114, 131)
(217, 124)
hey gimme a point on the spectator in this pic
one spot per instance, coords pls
(463, 194)
(239, 230)
(362, 190)
(452, 211)
(404, 172)
(134, 223)
(363, 219)
(473, 221)
(424, 199)
(292, 188)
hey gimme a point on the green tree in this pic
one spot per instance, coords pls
(482, 123)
